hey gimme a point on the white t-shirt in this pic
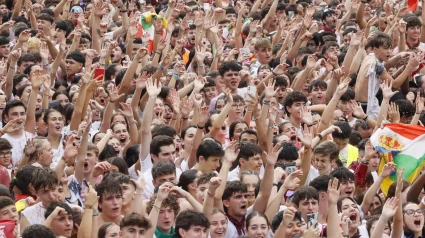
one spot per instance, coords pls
(18, 145)
(35, 214)
(312, 174)
(145, 164)
(233, 175)
(241, 91)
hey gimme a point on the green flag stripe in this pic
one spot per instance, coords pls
(407, 162)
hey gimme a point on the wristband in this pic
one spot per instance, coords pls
(88, 207)
(275, 184)
(266, 102)
(185, 118)
(365, 119)
(200, 127)
(320, 136)
(138, 193)
(133, 121)
(309, 125)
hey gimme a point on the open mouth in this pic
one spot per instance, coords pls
(20, 122)
(243, 207)
(102, 100)
(123, 139)
(58, 127)
(353, 217)
(348, 193)
(116, 209)
(293, 138)
(417, 222)
(86, 165)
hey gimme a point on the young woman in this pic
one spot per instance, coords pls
(236, 128)
(55, 123)
(109, 230)
(348, 207)
(257, 225)
(218, 225)
(250, 178)
(413, 217)
(188, 181)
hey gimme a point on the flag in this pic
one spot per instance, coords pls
(402, 144)
(412, 4)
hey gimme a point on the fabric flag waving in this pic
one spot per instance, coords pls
(402, 144)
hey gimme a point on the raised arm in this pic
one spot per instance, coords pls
(37, 79)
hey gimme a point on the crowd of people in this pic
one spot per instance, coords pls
(199, 119)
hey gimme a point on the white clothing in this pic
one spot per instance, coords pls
(146, 164)
(312, 174)
(233, 175)
(18, 145)
(231, 230)
(57, 154)
(35, 214)
(241, 91)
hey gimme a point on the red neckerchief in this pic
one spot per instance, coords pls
(325, 28)
(188, 47)
(413, 46)
(238, 224)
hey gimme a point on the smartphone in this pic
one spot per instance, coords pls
(99, 72)
(252, 90)
(290, 168)
(311, 219)
(244, 51)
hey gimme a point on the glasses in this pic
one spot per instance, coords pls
(412, 212)
(238, 105)
(5, 154)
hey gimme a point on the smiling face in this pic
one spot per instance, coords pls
(346, 188)
(413, 33)
(113, 231)
(253, 163)
(121, 133)
(258, 227)
(55, 123)
(294, 228)
(218, 226)
(46, 154)
(323, 163)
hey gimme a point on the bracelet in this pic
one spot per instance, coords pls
(320, 136)
(157, 207)
(11, 67)
(1, 133)
(133, 121)
(122, 11)
(111, 101)
(138, 193)
(201, 65)
(248, 110)
(157, 32)
(274, 74)
(209, 194)
(95, 213)
(185, 118)
(365, 119)
(418, 113)
(275, 184)
(173, 119)
(266, 102)
(309, 125)
(88, 206)
(161, 67)
(156, 52)
(270, 127)
(200, 127)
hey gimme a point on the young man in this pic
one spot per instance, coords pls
(208, 156)
(325, 154)
(209, 90)
(128, 190)
(162, 171)
(15, 112)
(293, 104)
(23, 62)
(191, 224)
(75, 62)
(37, 231)
(59, 218)
(235, 203)
(44, 185)
(248, 136)
(5, 161)
(344, 106)
(202, 186)
(263, 52)
(367, 84)
(346, 181)
(161, 149)
(249, 158)
(317, 92)
(306, 200)
(134, 225)
(167, 214)
(8, 209)
(110, 203)
(4, 47)
(44, 23)
(329, 20)
(321, 185)
(347, 153)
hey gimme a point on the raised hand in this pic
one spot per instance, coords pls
(29, 147)
(307, 138)
(197, 100)
(331, 129)
(306, 116)
(292, 181)
(140, 183)
(126, 110)
(230, 154)
(153, 88)
(185, 107)
(36, 77)
(390, 208)
(199, 83)
(394, 113)
(356, 39)
(357, 109)
(70, 150)
(113, 94)
(164, 190)
(288, 215)
(200, 54)
(91, 197)
(132, 29)
(215, 182)
(386, 87)
(271, 157)
(11, 126)
(343, 87)
(141, 80)
(273, 112)
(100, 168)
(388, 169)
(419, 103)
(15, 55)
(333, 191)
(269, 90)
(229, 97)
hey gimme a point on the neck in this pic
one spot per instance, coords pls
(164, 231)
(352, 232)
(241, 170)
(239, 218)
(295, 121)
(322, 214)
(115, 220)
(54, 139)
(126, 209)
(418, 233)
(411, 41)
